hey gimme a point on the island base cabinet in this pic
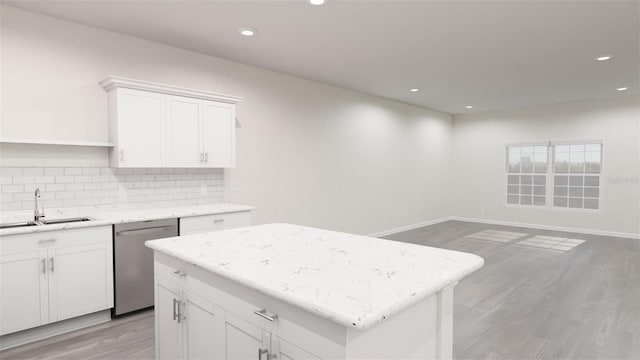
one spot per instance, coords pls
(167, 326)
(202, 315)
(187, 327)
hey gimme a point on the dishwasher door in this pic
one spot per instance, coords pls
(133, 262)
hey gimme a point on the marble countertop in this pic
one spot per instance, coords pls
(112, 214)
(353, 280)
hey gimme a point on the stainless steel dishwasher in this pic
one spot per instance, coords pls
(133, 262)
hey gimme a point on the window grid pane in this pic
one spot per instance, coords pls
(576, 180)
(526, 175)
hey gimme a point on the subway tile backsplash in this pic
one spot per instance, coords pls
(83, 186)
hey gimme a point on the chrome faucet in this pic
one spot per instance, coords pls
(37, 215)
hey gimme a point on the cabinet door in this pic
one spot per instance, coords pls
(79, 280)
(140, 128)
(169, 334)
(218, 134)
(288, 351)
(184, 144)
(23, 291)
(245, 340)
(205, 329)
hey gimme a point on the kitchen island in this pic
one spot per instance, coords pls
(286, 291)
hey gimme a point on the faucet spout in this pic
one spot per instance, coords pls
(37, 214)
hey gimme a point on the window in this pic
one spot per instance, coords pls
(527, 175)
(576, 175)
(572, 181)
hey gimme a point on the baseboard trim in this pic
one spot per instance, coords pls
(506, 223)
(58, 328)
(409, 227)
(548, 227)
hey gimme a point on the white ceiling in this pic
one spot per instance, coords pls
(489, 54)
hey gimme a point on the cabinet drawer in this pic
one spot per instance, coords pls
(170, 273)
(13, 244)
(205, 223)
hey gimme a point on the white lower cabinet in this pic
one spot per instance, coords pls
(77, 283)
(168, 327)
(288, 351)
(245, 340)
(190, 327)
(205, 223)
(23, 291)
(53, 276)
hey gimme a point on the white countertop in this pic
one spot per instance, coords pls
(353, 280)
(112, 214)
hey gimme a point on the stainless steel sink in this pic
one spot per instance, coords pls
(16, 225)
(43, 222)
(64, 221)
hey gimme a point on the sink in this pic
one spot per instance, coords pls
(16, 225)
(43, 222)
(64, 221)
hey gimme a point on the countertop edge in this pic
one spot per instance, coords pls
(115, 220)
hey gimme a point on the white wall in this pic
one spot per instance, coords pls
(308, 153)
(479, 161)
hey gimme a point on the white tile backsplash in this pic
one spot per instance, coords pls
(67, 187)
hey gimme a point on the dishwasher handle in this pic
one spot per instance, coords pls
(149, 230)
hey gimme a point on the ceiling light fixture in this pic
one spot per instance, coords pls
(604, 58)
(316, 2)
(414, 90)
(247, 31)
(622, 88)
(469, 107)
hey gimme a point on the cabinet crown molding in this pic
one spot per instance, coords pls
(113, 82)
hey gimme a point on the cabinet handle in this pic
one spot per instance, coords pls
(218, 220)
(175, 314)
(46, 241)
(261, 352)
(180, 273)
(44, 265)
(265, 315)
(201, 157)
(52, 265)
(180, 317)
(206, 157)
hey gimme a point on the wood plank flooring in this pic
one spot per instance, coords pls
(526, 303)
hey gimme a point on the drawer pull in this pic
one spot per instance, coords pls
(175, 313)
(46, 241)
(180, 273)
(218, 220)
(265, 315)
(44, 265)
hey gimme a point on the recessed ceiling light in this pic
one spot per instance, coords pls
(469, 107)
(247, 31)
(604, 58)
(316, 2)
(414, 90)
(622, 89)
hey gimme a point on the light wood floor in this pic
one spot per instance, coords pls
(525, 303)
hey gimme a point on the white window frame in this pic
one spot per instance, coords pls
(507, 173)
(552, 145)
(550, 173)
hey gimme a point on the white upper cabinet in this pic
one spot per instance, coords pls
(156, 125)
(218, 134)
(136, 126)
(184, 135)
